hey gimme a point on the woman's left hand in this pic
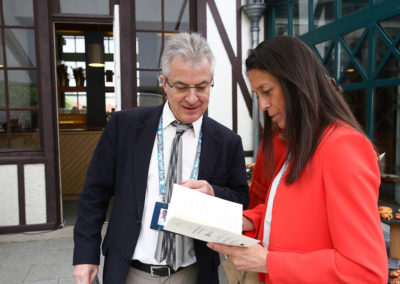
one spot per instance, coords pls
(253, 258)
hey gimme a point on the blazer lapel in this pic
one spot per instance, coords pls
(145, 135)
(210, 147)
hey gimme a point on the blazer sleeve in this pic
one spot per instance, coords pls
(351, 181)
(233, 186)
(259, 183)
(94, 198)
(256, 215)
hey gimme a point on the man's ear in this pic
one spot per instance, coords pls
(164, 83)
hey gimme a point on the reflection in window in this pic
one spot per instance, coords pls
(350, 6)
(3, 130)
(353, 37)
(3, 122)
(343, 57)
(94, 7)
(390, 69)
(148, 14)
(18, 13)
(23, 120)
(148, 50)
(2, 90)
(24, 129)
(75, 102)
(357, 100)
(391, 26)
(351, 75)
(380, 49)
(323, 12)
(108, 45)
(73, 44)
(1, 50)
(19, 101)
(329, 63)
(20, 47)
(300, 17)
(281, 20)
(22, 88)
(323, 48)
(362, 53)
(177, 15)
(149, 90)
(386, 123)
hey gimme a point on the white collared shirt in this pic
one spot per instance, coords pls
(146, 244)
(271, 197)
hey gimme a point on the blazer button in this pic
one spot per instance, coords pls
(138, 221)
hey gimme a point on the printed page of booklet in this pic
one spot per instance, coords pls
(205, 217)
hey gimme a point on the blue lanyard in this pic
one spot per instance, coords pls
(160, 156)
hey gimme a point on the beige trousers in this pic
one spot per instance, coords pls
(185, 276)
(239, 277)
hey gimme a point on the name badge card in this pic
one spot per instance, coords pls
(159, 216)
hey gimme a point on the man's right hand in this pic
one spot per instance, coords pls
(85, 273)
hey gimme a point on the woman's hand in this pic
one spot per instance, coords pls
(253, 258)
(247, 224)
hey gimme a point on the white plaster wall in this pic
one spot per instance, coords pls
(245, 127)
(9, 211)
(227, 12)
(245, 124)
(35, 194)
(220, 106)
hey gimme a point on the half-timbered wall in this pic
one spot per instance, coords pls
(228, 32)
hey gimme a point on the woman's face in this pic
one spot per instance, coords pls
(270, 95)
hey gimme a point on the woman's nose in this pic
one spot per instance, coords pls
(264, 104)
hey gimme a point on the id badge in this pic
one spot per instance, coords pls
(159, 216)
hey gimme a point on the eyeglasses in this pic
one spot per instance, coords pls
(183, 89)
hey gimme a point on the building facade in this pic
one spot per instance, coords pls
(67, 65)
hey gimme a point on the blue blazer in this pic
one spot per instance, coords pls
(119, 169)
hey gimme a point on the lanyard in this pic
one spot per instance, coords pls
(160, 156)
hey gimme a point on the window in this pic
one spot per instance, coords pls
(95, 7)
(155, 21)
(361, 50)
(19, 105)
(81, 88)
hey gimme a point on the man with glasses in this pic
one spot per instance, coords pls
(141, 153)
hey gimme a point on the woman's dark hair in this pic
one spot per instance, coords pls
(311, 102)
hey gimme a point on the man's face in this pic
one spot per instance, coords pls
(188, 104)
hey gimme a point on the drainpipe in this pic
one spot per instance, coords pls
(254, 9)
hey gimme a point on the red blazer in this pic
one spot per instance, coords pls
(260, 183)
(326, 227)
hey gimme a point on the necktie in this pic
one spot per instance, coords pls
(169, 245)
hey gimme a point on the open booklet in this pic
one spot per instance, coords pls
(207, 218)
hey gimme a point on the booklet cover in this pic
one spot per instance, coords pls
(207, 218)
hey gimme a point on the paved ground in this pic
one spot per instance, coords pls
(37, 257)
(41, 258)
(46, 257)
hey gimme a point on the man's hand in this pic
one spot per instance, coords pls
(85, 273)
(253, 258)
(199, 185)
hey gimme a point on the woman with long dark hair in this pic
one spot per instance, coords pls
(320, 221)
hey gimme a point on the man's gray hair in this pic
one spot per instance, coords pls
(190, 46)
